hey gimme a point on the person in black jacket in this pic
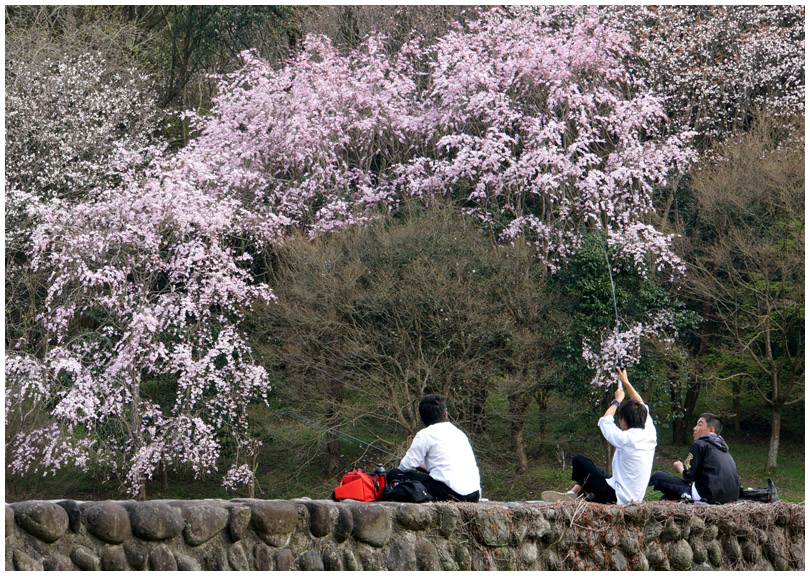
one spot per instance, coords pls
(709, 473)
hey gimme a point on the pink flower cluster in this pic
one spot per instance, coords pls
(535, 116)
(624, 346)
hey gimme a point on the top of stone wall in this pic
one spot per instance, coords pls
(190, 532)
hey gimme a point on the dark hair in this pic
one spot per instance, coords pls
(433, 409)
(712, 421)
(634, 414)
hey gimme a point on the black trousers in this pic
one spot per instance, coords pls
(593, 479)
(671, 486)
(439, 490)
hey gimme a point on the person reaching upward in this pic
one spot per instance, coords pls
(634, 439)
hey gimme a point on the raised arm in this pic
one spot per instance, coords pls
(631, 392)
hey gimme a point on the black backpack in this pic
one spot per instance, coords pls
(406, 491)
(767, 494)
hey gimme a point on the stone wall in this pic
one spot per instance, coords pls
(320, 534)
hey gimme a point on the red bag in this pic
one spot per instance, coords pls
(359, 485)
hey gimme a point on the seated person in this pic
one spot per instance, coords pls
(709, 473)
(444, 452)
(635, 440)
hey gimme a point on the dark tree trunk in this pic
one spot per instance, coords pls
(478, 403)
(682, 426)
(333, 421)
(518, 402)
(608, 449)
(252, 484)
(608, 455)
(773, 445)
(135, 431)
(541, 397)
(735, 391)
(164, 476)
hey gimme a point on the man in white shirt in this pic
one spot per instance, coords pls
(634, 439)
(444, 453)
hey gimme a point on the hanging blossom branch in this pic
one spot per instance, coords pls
(625, 346)
(647, 248)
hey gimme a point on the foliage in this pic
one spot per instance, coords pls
(347, 26)
(749, 261)
(192, 42)
(550, 138)
(405, 307)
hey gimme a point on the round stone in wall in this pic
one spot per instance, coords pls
(9, 519)
(85, 559)
(310, 561)
(113, 559)
(155, 520)
(371, 524)
(136, 554)
(273, 521)
(23, 562)
(203, 521)
(186, 563)
(322, 517)
(45, 520)
(107, 521)
(162, 559)
(57, 563)
(238, 521)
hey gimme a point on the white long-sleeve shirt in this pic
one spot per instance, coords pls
(445, 452)
(633, 458)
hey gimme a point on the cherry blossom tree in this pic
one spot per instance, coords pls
(589, 163)
(543, 132)
(715, 66)
(68, 110)
(310, 145)
(148, 283)
(530, 119)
